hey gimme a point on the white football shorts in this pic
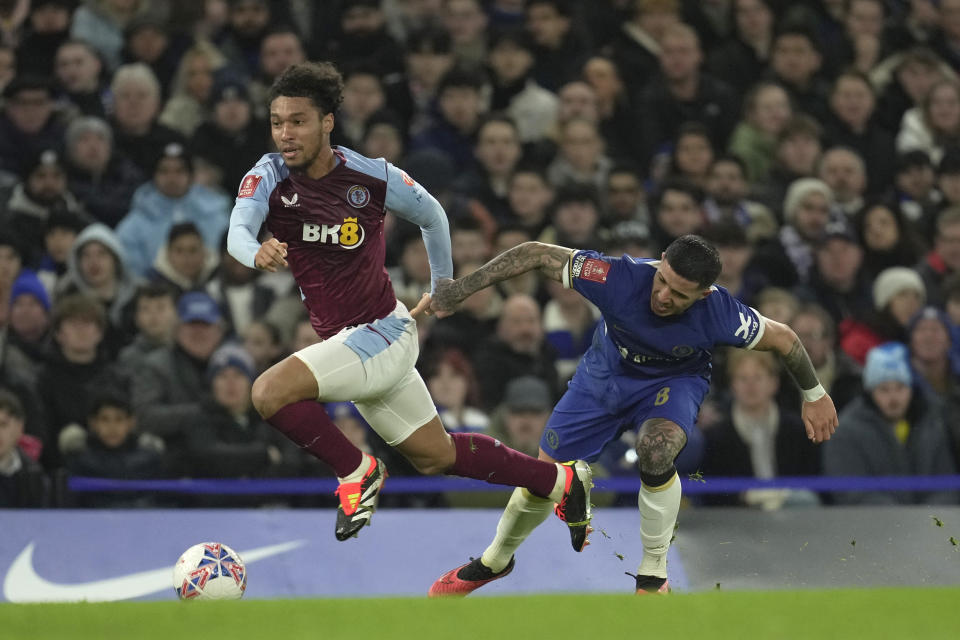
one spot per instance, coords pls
(372, 365)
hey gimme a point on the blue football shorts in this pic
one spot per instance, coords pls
(581, 425)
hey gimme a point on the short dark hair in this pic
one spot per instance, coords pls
(694, 128)
(10, 403)
(319, 81)
(726, 234)
(462, 77)
(576, 193)
(112, 397)
(854, 74)
(694, 259)
(800, 125)
(155, 290)
(800, 31)
(183, 229)
(498, 117)
(951, 288)
(429, 39)
(562, 7)
(682, 185)
(627, 166)
(79, 306)
(729, 158)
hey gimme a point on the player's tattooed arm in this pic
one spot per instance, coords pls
(797, 361)
(818, 413)
(780, 338)
(550, 259)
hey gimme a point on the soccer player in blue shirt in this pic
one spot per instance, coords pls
(648, 368)
(324, 207)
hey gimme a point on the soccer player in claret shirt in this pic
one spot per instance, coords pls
(324, 207)
(648, 368)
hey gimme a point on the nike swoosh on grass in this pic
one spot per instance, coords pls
(24, 584)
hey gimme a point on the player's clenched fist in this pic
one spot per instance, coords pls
(271, 255)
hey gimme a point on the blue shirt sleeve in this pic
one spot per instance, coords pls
(410, 201)
(598, 278)
(250, 210)
(732, 322)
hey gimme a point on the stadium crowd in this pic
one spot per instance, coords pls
(815, 143)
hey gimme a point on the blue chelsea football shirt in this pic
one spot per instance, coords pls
(633, 341)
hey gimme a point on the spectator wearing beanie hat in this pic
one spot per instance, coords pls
(894, 428)
(898, 293)
(101, 178)
(226, 437)
(29, 325)
(807, 208)
(42, 191)
(29, 121)
(170, 198)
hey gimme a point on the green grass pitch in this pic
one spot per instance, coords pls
(903, 614)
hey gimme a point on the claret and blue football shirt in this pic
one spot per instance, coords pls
(333, 227)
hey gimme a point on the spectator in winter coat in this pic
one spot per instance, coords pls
(898, 294)
(184, 263)
(29, 326)
(75, 366)
(518, 349)
(893, 429)
(168, 199)
(113, 449)
(169, 386)
(155, 317)
(43, 191)
(226, 438)
(100, 177)
(757, 437)
(944, 260)
(28, 121)
(22, 481)
(97, 267)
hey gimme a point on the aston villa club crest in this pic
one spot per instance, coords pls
(358, 196)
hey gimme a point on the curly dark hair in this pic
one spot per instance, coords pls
(319, 81)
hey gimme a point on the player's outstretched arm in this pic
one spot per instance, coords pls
(550, 259)
(818, 413)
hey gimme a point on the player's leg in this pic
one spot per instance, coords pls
(670, 411)
(286, 396)
(658, 444)
(332, 370)
(406, 418)
(524, 513)
(577, 429)
(396, 403)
